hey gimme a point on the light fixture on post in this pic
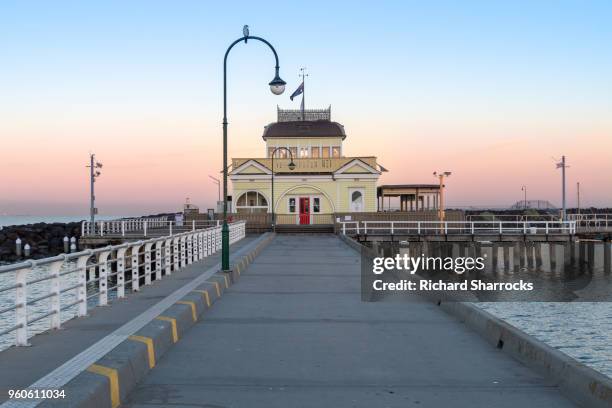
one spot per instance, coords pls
(441, 177)
(277, 86)
(291, 167)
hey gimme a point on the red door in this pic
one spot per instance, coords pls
(304, 210)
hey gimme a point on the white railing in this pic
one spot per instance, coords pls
(457, 227)
(140, 227)
(96, 274)
(593, 222)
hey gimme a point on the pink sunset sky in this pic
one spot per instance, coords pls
(146, 97)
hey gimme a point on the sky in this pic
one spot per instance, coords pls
(492, 91)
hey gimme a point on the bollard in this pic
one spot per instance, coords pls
(66, 245)
(73, 244)
(18, 247)
(26, 250)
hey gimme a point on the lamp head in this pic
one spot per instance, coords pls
(277, 85)
(291, 165)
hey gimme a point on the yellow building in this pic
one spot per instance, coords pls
(323, 181)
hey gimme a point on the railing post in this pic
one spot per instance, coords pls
(54, 301)
(144, 225)
(524, 227)
(135, 267)
(546, 227)
(148, 261)
(83, 228)
(419, 227)
(103, 267)
(121, 272)
(170, 228)
(472, 227)
(189, 249)
(21, 307)
(193, 225)
(123, 228)
(168, 256)
(175, 254)
(182, 249)
(343, 228)
(446, 227)
(82, 289)
(392, 228)
(158, 259)
(501, 228)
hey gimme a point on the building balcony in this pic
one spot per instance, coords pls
(305, 165)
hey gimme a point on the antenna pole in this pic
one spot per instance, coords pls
(578, 192)
(92, 197)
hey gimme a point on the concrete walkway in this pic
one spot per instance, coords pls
(22, 366)
(293, 333)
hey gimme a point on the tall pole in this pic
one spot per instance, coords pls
(218, 183)
(578, 198)
(303, 75)
(92, 197)
(524, 188)
(291, 167)
(563, 186)
(441, 177)
(277, 86)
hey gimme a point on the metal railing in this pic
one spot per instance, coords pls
(304, 219)
(592, 222)
(99, 272)
(140, 227)
(457, 227)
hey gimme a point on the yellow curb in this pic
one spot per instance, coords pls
(150, 347)
(172, 320)
(113, 380)
(194, 313)
(206, 297)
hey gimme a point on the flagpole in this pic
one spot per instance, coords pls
(303, 92)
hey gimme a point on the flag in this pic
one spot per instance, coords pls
(298, 91)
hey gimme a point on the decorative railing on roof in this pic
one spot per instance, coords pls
(292, 115)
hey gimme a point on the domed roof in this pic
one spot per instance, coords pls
(304, 128)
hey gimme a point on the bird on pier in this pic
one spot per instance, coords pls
(245, 32)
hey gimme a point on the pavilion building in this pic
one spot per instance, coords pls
(323, 180)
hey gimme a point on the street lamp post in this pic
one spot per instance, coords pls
(441, 177)
(291, 167)
(94, 173)
(218, 183)
(524, 189)
(277, 86)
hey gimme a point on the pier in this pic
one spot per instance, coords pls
(286, 326)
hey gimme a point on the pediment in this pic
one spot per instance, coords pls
(251, 167)
(357, 166)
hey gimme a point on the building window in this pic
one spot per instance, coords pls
(315, 152)
(293, 151)
(325, 152)
(281, 154)
(316, 205)
(291, 205)
(270, 151)
(356, 201)
(335, 151)
(251, 202)
(303, 152)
